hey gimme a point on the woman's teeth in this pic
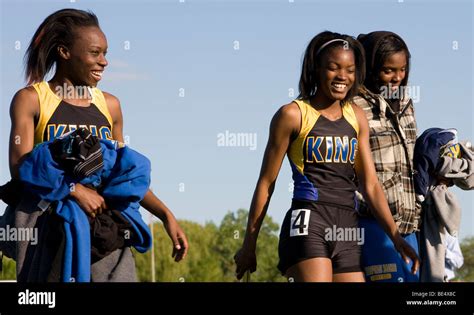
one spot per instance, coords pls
(97, 74)
(339, 86)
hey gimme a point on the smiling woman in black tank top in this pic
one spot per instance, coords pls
(326, 139)
(71, 42)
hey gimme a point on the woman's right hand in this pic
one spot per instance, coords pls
(407, 252)
(245, 259)
(88, 199)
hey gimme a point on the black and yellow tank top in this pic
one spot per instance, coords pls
(322, 157)
(58, 117)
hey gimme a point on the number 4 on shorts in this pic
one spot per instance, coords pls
(299, 222)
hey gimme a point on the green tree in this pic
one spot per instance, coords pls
(201, 264)
(230, 238)
(211, 254)
(8, 269)
(466, 272)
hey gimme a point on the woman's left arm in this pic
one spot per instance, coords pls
(374, 194)
(150, 202)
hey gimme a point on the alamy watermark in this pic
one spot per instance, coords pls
(237, 139)
(13, 234)
(412, 91)
(344, 234)
(28, 297)
(73, 92)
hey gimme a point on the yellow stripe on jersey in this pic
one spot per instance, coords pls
(309, 116)
(98, 99)
(350, 116)
(48, 102)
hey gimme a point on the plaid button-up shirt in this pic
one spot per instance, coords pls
(392, 141)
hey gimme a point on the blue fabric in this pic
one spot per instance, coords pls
(303, 189)
(125, 179)
(426, 156)
(380, 260)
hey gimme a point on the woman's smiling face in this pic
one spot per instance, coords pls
(87, 60)
(393, 71)
(337, 73)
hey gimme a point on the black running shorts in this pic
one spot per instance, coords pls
(312, 230)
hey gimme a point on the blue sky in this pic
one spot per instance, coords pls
(188, 72)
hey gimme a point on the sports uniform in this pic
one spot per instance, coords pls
(36, 263)
(58, 117)
(322, 160)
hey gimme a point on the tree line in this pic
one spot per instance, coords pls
(212, 249)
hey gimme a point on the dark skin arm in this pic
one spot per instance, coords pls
(374, 194)
(24, 109)
(150, 202)
(284, 126)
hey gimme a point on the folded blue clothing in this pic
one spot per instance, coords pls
(123, 180)
(427, 155)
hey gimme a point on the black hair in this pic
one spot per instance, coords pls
(57, 29)
(379, 46)
(313, 56)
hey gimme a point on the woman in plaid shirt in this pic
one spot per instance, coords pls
(390, 113)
